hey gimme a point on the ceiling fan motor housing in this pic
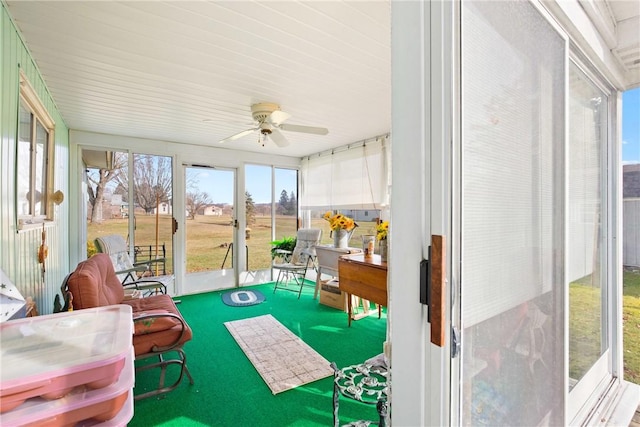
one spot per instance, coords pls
(262, 111)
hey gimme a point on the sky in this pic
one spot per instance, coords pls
(631, 126)
(218, 183)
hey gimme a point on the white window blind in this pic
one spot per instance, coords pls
(512, 158)
(355, 177)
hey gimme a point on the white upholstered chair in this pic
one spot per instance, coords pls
(292, 267)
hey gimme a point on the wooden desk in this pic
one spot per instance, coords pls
(364, 277)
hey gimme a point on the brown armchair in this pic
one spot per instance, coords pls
(159, 328)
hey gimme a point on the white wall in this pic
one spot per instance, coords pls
(18, 249)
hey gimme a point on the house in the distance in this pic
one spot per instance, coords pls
(631, 181)
(110, 207)
(212, 210)
(163, 208)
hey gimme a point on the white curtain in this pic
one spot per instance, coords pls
(352, 177)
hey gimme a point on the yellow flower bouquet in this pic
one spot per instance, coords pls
(339, 221)
(382, 230)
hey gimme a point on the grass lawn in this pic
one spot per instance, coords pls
(585, 334)
(584, 349)
(208, 237)
(631, 326)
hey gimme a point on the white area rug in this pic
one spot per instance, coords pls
(282, 359)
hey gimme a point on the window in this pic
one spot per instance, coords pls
(587, 269)
(34, 152)
(272, 210)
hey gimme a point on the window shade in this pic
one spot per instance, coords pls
(353, 178)
(513, 132)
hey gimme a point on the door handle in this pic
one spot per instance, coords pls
(437, 291)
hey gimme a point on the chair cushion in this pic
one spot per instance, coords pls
(152, 324)
(306, 240)
(116, 247)
(143, 343)
(111, 244)
(94, 283)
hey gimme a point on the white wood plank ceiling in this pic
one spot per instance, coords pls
(189, 71)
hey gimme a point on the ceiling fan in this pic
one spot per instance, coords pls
(269, 121)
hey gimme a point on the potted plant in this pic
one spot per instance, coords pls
(382, 231)
(285, 244)
(342, 228)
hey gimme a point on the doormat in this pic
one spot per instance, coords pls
(281, 358)
(242, 298)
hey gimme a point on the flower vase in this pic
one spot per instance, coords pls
(340, 238)
(382, 247)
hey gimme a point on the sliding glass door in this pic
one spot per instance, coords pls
(587, 267)
(131, 195)
(512, 218)
(536, 277)
(259, 207)
(272, 214)
(153, 210)
(210, 227)
(286, 206)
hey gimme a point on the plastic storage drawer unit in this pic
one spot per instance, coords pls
(48, 356)
(82, 407)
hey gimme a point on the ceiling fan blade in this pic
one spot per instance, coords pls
(304, 129)
(278, 116)
(278, 138)
(239, 135)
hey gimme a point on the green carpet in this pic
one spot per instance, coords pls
(229, 392)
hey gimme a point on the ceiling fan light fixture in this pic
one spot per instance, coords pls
(261, 111)
(269, 121)
(265, 128)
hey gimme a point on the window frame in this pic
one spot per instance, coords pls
(599, 379)
(39, 116)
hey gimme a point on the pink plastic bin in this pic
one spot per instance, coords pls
(121, 420)
(82, 407)
(47, 356)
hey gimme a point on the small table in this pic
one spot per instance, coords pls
(365, 383)
(363, 276)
